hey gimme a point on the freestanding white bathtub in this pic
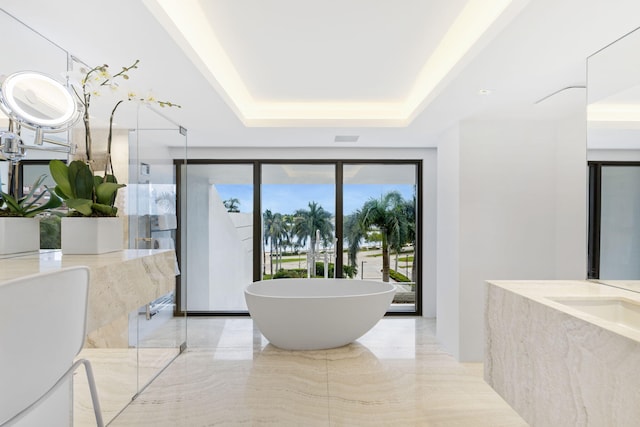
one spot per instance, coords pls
(314, 314)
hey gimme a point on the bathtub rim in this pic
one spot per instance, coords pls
(391, 288)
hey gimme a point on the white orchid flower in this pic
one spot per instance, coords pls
(91, 82)
(149, 99)
(103, 74)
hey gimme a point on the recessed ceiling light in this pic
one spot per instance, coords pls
(484, 92)
(346, 138)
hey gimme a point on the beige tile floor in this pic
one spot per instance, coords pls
(395, 375)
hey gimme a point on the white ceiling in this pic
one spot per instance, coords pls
(343, 51)
(329, 50)
(371, 64)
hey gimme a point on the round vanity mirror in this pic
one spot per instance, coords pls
(38, 101)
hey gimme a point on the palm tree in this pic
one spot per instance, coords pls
(410, 213)
(353, 234)
(307, 222)
(232, 205)
(287, 238)
(278, 235)
(274, 233)
(267, 220)
(385, 214)
(406, 234)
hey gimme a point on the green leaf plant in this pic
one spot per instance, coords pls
(30, 205)
(82, 192)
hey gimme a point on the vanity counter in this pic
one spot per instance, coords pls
(632, 285)
(556, 364)
(550, 292)
(119, 282)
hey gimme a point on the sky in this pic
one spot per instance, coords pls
(287, 198)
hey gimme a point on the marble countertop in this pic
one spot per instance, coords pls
(18, 265)
(119, 282)
(542, 291)
(632, 285)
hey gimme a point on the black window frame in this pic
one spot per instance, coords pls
(257, 221)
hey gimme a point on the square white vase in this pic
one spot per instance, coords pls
(88, 235)
(19, 235)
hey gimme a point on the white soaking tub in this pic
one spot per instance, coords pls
(313, 314)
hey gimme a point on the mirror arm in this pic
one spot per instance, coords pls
(71, 149)
(12, 146)
(60, 143)
(39, 136)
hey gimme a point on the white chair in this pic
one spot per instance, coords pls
(42, 329)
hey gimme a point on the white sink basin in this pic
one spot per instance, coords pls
(618, 310)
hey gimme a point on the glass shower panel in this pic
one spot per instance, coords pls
(220, 239)
(4, 175)
(157, 329)
(620, 223)
(298, 220)
(380, 227)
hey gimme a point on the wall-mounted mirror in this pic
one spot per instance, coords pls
(613, 143)
(38, 102)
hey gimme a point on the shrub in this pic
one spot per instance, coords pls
(300, 273)
(320, 269)
(295, 273)
(50, 232)
(349, 271)
(398, 277)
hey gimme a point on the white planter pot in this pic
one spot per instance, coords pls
(86, 235)
(19, 235)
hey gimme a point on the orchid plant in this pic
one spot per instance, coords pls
(91, 84)
(84, 193)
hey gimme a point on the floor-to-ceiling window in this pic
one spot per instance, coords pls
(380, 225)
(614, 220)
(298, 220)
(219, 210)
(262, 220)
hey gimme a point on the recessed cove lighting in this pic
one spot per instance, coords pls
(186, 21)
(346, 138)
(613, 113)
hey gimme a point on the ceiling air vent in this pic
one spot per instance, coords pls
(346, 138)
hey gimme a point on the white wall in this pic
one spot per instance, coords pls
(229, 260)
(197, 261)
(520, 213)
(429, 232)
(448, 230)
(572, 190)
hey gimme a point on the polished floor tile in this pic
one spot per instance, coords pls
(395, 375)
(119, 373)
